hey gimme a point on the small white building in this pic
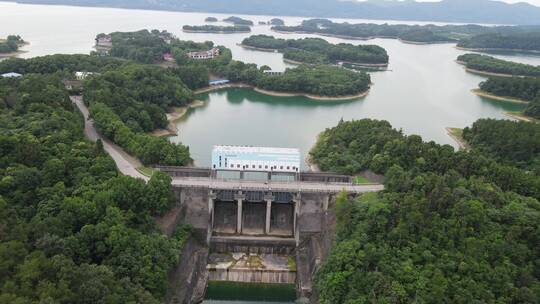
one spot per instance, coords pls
(82, 75)
(257, 159)
(210, 54)
(104, 41)
(272, 73)
(11, 75)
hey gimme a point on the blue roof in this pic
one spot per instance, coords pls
(11, 75)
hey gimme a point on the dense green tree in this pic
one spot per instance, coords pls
(140, 95)
(10, 44)
(317, 80)
(511, 142)
(238, 21)
(217, 28)
(148, 149)
(449, 226)
(527, 41)
(354, 146)
(526, 88)
(68, 233)
(318, 51)
(493, 65)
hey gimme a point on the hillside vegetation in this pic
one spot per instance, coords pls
(458, 226)
(71, 229)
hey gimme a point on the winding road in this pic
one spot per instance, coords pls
(127, 164)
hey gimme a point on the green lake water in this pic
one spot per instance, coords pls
(245, 293)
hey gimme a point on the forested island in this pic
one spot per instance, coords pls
(468, 36)
(319, 51)
(488, 65)
(11, 44)
(238, 21)
(216, 29)
(515, 89)
(459, 226)
(407, 33)
(318, 81)
(517, 41)
(211, 19)
(276, 21)
(72, 230)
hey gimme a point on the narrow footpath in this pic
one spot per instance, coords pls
(127, 164)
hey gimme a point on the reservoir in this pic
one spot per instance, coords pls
(423, 92)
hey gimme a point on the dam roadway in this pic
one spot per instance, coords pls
(300, 187)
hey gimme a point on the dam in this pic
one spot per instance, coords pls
(269, 226)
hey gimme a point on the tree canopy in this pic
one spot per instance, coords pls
(217, 28)
(510, 142)
(71, 229)
(516, 87)
(490, 64)
(528, 41)
(238, 21)
(319, 51)
(10, 44)
(140, 95)
(317, 80)
(456, 227)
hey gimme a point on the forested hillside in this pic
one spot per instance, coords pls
(71, 229)
(131, 99)
(458, 226)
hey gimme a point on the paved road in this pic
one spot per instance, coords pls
(127, 165)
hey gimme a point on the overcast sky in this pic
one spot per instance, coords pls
(534, 2)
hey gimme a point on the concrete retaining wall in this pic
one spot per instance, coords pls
(227, 245)
(252, 276)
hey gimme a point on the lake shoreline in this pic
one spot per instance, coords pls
(486, 73)
(310, 96)
(173, 117)
(249, 47)
(485, 94)
(453, 133)
(520, 116)
(214, 32)
(364, 38)
(283, 94)
(497, 50)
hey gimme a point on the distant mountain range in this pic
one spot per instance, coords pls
(463, 11)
